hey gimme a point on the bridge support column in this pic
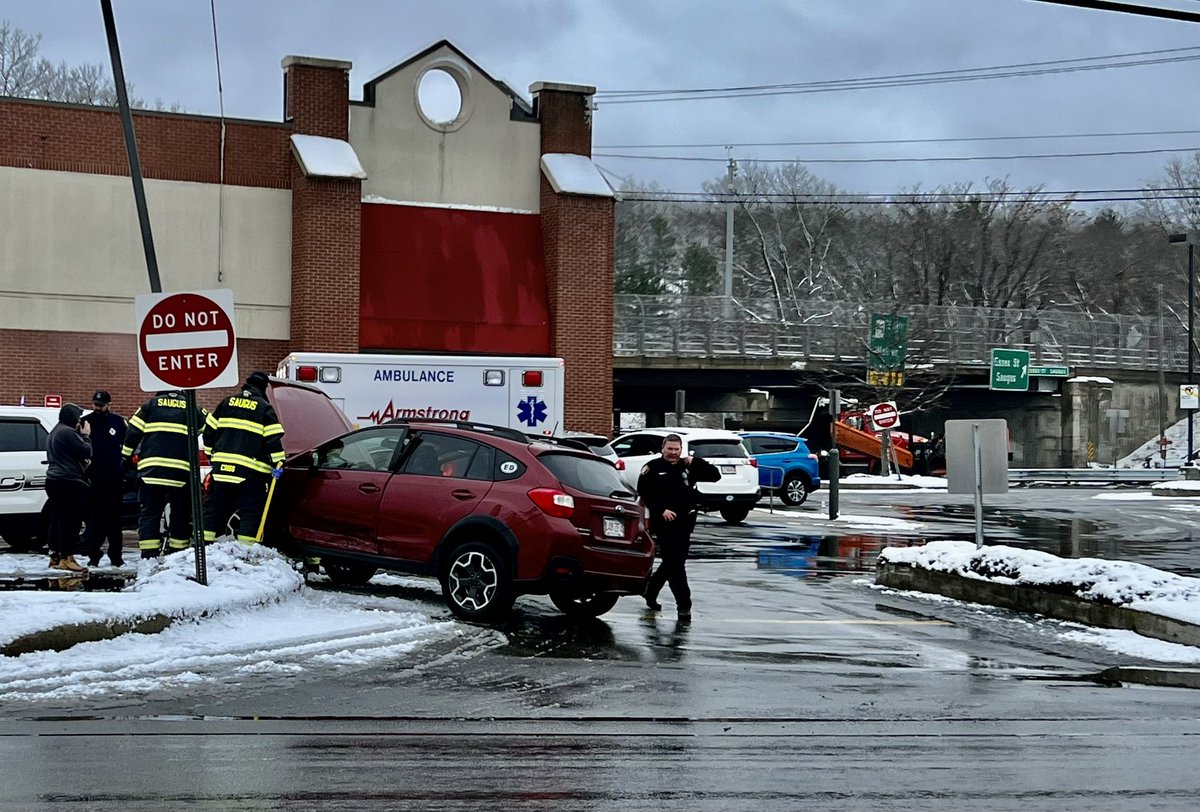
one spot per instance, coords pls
(1084, 403)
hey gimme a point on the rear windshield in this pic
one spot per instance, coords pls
(587, 474)
(716, 448)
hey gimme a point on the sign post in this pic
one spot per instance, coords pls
(977, 462)
(888, 348)
(1010, 370)
(187, 341)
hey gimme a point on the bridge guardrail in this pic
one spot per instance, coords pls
(1091, 476)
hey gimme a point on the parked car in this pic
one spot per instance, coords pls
(23, 516)
(785, 465)
(735, 493)
(489, 512)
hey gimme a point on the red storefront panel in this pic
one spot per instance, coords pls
(452, 280)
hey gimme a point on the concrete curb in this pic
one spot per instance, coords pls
(878, 486)
(1059, 603)
(1177, 493)
(1159, 677)
(61, 638)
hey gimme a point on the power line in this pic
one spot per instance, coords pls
(890, 141)
(1128, 8)
(901, 80)
(925, 159)
(650, 198)
(724, 197)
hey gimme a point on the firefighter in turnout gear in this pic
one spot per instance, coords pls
(158, 435)
(245, 442)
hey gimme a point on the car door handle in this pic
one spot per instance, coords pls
(367, 487)
(463, 494)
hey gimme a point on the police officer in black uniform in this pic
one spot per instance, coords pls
(158, 433)
(667, 487)
(107, 480)
(245, 442)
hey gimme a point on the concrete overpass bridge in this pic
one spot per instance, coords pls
(716, 351)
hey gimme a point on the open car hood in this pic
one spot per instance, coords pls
(308, 416)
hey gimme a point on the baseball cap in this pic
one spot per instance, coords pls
(101, 397)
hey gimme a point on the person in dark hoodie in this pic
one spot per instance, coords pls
(68, 452)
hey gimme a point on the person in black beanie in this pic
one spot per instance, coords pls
(68, 453)
(106, 475)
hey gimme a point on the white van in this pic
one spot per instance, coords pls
(521, 393)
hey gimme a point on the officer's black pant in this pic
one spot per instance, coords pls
(68, 500)
(154, 499)
(672, 540)
(248, 497)
(104, 519)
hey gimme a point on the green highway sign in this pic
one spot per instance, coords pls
(888, 342)
(1052, 371)
(1010, 370)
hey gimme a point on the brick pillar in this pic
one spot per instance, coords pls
(577, 238)
(326, 213)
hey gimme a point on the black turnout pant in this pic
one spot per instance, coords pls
(154, 499)
(672, 540)
(68, 506)
(104, 518)
(247, 497)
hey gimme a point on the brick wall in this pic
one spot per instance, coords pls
(74, 365)
(317, 96)
(77, 138)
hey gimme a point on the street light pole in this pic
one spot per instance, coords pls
(1191, 311)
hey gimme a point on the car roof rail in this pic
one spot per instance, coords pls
(483, 428)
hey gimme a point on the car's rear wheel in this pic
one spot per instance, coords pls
(20, 542)
(476, 582)
(575, 605)
(735, 514)
(349, 573)
(795, 490)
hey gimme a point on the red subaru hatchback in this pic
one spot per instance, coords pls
(489, 512)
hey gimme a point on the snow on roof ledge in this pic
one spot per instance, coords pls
(574, 175)
(327, 157)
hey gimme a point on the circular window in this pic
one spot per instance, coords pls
(439, 97)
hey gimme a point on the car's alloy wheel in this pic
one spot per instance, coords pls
(735, 515)
(476, 583)
(348, 573)
(794, 491)
(583, 605)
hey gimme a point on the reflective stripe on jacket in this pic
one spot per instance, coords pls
(158, 433)
(244, 438)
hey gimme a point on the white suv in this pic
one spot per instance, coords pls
(737, 490)
(23, 433)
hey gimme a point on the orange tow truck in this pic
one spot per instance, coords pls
(858, 445)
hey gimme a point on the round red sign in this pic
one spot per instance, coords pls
(885, 415)
(186, 340)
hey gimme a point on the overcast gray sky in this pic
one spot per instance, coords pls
(167, 48)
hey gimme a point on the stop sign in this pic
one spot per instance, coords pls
(186, 340)
(885, 415)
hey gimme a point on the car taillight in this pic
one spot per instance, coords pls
(813, 457)
(620, 465)
(753, 462)
(553, 502)
(307, 374)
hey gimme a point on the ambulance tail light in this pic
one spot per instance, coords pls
(493, 377)
(531, 377)
(306, 374)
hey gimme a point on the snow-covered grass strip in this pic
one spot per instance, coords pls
(238, 577)
(1116, 583)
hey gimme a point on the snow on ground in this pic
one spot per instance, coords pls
(1176, 451)
(851, 521)
(238, 577)
(1133, 644)
(305, 633)
(903, 480)
(1188, 486)
(1121, 583)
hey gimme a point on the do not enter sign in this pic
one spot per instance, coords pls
(186, 340)
(885, 415)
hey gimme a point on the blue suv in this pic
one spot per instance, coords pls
(785, 465)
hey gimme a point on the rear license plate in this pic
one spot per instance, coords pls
(614, 528)
(728, 469)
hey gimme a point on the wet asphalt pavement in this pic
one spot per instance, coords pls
(797, 684)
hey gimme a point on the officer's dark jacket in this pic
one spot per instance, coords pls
(158, 433)
(664, 486)
(243, 437)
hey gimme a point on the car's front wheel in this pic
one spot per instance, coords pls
(476, 582)
(348, 573)
(794, 491)
(575, 605)
(735, 514)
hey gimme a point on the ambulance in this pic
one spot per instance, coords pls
(521, 393)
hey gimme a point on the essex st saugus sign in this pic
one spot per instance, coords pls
(186, 340)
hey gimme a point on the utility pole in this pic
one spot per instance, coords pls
(729, 237)
(1162, 383)
(1191, 340)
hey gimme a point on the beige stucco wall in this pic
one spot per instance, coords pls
(481, 159)
(71, 254)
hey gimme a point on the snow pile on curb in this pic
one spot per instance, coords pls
(901, 481)
(1190, 486)
(238, 577)
(1117, 583)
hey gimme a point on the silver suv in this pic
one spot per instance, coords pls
(23, 433)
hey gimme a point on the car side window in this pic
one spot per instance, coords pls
(777, 446)
(646, 444)
(507, 468)
(21, 434)
(624, 446)
(753, 444)
(441, 455)
(365, 451)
